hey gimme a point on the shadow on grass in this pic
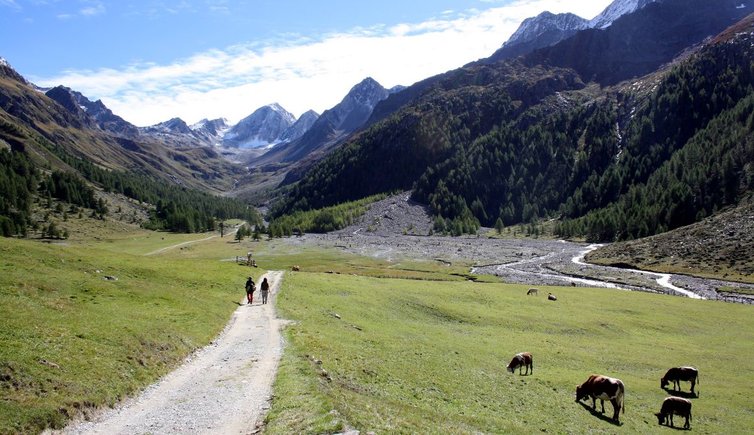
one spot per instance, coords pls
(600, 415)
(675, 427)
(684, 394)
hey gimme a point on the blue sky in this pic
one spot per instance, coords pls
(152, 60)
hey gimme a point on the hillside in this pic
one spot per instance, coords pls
(56, 162)
(718, 246)
(35, 123)
(515, 141)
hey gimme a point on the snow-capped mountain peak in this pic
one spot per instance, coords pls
(534, 27)
(261, 129)
(615, 10)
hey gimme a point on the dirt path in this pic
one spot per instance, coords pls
(223, 388)
(190, 242)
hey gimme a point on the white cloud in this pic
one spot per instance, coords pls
(10, 3)
(95, 9)
(305, 73)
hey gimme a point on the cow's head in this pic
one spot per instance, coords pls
(510, 368)
(660, 418)
(580, 392)
(663, 382)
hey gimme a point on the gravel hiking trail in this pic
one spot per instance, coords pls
(224, 388)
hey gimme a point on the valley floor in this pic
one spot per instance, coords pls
(525, 261)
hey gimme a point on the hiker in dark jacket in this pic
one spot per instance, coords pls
(250, 287)
(265, 290)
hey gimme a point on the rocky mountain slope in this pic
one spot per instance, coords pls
(261, 129)
(718, 246)
(334, 125)
(547, 29)
(40, 124)
(639, 43)
(546, 135)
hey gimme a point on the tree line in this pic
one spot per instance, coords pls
(176, 208)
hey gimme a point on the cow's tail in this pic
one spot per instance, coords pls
(622, 399)
(697, 383)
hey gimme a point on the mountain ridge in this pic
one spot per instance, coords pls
(425, 143)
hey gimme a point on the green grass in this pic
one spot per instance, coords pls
(419, 355)
(282, 255)
(409, 356)
(71, 340)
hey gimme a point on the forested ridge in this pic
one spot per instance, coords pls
(614, 164)
(176, 208)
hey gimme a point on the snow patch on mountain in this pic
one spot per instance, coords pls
(532, 28)
(615, 10)
(261, 129)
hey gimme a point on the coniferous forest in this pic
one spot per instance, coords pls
(176, 208)
(627, 162)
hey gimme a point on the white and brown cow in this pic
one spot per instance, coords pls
(674, 405)
(603, 388)
(678, 374)
(523, 359)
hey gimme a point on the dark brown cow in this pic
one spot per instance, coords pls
(674, 405)
(603, 388)
(678, 374)
(523, 359)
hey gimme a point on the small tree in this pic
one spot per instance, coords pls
(499, 225)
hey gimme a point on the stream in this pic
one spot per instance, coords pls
(568, 266)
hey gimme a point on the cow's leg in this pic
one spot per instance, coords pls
(616, 409)
(671, 419)
(693, 383)
(603, 405)
(687, 425)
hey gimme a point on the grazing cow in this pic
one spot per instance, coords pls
(295, 268)
(523, 359)
(674, 405)
(678, 374)
(603, 388)
(552, 297)
(532, 291)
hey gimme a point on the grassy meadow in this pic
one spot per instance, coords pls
(407, 356)
(71, 339)
(392, 347)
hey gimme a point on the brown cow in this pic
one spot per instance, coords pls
(295, 268)
(603, 388)
(532, 291)
(674, 405)
(523, 359)
(678, 374)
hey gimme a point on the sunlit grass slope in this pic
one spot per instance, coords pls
(72, 339)
(407, 356)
